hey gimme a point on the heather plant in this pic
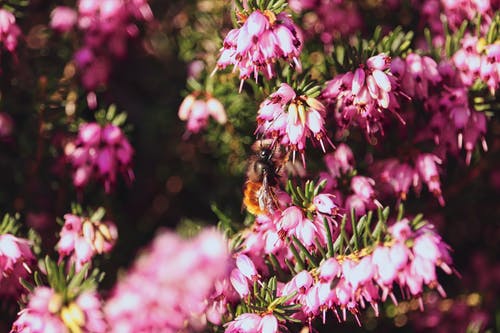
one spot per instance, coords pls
(249, 166)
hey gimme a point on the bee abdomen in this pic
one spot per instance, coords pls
(250, 197)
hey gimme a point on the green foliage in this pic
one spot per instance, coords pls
(275, 6)
(349, 55)
(68, 284)
(10, 224)
(263, 299)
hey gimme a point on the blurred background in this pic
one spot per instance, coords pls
(179, 178)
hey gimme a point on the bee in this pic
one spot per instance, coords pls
(263, 174)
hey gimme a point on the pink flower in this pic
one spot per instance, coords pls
(401, 230)
(361, 97)
(398, 176)
(197, 111)
(426, 165)
(363, 186)
(37, 317)
(246, 267)
(456, 12)
(81, 239)
(244, 323)
(341, 161)
(9, 30)
(291, 119)
(268, 324)
(329, 269)
(323, 23)
(100, 152)
(63, 19)
(417, 74)
(263, 39)
(176, 294)
(45, 312)
(91, 306)
(106, 27)
(290, 218)
(240, 283)
(325, 204)
(16, 258)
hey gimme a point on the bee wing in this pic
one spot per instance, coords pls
(266, 196)
(262, 195)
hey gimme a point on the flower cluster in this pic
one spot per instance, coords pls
(263, 39)
(455, 125)
(243, 275)
(196, 111)
(99, 152)
(361, 97)
(305, 223)
(16, 258)
(397, 177)
(352, 192)
(417, 74)
(305, 249)
(476, 60)
(324, 17)
(171, 296)
(253, 323)
(47, 312)
(456, 12)
(409, 260)
(291, 119)
(83, 238)
(106, 26)
(9, 31)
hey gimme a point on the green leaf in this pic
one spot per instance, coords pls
(290, 266)
(300, 262)
(282, 300)
(120, 119)
(98, 215)
(329, 240)
(492, 33)
(27, 285)
(225, 221)
(275, 264)
(401, 212)
(339, 242)
(385, 213)
(37, 278)
(75, 282)
(305, 252)
(354, 238)
(320, 247)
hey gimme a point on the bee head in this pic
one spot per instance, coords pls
(265, 154)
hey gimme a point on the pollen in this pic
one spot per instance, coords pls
(250, 198)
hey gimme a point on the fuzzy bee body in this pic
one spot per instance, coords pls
(262, 178)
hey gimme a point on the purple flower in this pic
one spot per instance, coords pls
(101, 153)
(9, 30)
